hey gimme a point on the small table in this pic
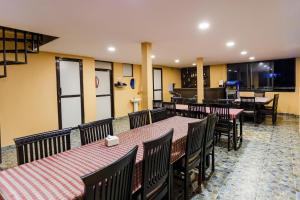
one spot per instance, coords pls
(259, 100)
(234, 113)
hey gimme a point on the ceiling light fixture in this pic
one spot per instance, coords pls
(230, 44)
(152, 56)
(252, 58)
(111, 49)
(203, 26)
(244, 53)
(194, 64)
(176, 60)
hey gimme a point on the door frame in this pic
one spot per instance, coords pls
(57, 60)
(112, 99)
(162, 87)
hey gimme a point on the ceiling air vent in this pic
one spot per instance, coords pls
(16, 44)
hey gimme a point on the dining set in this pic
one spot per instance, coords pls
(163, 142)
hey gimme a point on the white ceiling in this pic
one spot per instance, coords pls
(267, 29)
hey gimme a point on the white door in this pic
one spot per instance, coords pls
(103, 94)
(157, 84)
(70, 98)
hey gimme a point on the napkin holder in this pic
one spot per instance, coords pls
(111, 140)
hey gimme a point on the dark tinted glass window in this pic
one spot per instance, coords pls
(284, 74)
(261, 75)
(241, 73)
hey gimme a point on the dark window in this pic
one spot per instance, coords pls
(261, 75)
(274, 75)
(284, 74)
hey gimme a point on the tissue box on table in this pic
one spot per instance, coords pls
(111, 140)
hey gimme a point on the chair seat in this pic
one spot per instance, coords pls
(249, 112)
(267, 111)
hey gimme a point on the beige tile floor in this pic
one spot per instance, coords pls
(267, 166)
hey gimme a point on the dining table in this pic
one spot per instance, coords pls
(258, 100)
(235, 114)
(58, 176)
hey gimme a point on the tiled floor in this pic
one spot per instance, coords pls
(267, 166)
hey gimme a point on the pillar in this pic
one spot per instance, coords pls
(200, 84)
(147, 82)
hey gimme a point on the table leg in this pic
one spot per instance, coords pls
(234, 134)
(241, 128)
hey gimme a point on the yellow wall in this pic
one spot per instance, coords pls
(217, 73)
(122, 96)
(28, 101)
(289, 102)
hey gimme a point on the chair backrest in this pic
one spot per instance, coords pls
(97, 130)
(177, 100)
(275, 102)
(210, 128)
(197, 111)
(113, 182)
(189, 101)
(171, 108)
(138, 119)
(248, 103)
(35, 147)
(208, 101)
(259, 94)
(158, 114)
(156, 163)
(222, 111)
(194, 142)
(157, 104)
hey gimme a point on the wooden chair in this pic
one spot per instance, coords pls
(209, 144)
(248, 104)
(35, 147)
(156, 168)
(171, 108)
(272, 110)
(157, 104)
(97, 130)
(138, 119)
(158, 114)
(197, 111)
(193, 158)
(113, 182)
(224, 125)
(259, 94)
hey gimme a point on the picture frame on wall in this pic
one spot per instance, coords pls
(127, 70)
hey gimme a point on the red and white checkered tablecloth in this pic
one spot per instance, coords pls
(58, 176)
(233, 112)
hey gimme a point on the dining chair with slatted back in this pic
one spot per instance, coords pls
(224, 125)
(94, 131)
(156, 167)
(248, 104)
(193, 157)
(114, 182)
(259, 94)
(157, 104)
(171, 108)
(158, 114)
(197, 111)
(38, 146)
(272, 110)
(209, 144)
(139, 119)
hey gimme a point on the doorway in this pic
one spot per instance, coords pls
(69, 92)
(157, 84)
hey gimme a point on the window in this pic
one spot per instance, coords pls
(274, 75)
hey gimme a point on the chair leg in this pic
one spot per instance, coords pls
(273, 119)
(228, 145)
(186, 185)
(213, 159)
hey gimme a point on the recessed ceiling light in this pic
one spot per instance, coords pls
(244, 53)
(203, 26)
(176, 60)
(252, 58)
(152, 56)
(230, 44)
(111, 49)
(194, 64)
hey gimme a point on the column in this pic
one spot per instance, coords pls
(200, 84)
(147, 82)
